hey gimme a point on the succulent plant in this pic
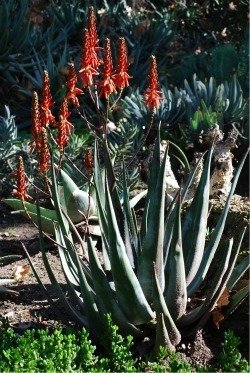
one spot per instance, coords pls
(225, 99)
(146, 276)
(10, 148)
(67, 14)
(170, 112)
(14, 31)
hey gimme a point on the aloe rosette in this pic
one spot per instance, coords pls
(147, 276)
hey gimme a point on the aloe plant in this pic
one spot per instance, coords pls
(147, 276)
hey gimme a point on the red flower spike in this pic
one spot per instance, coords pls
(92, 26)
(73, 91)
(36, 126)
(153, 95)
(106, 83)
(20, 191)
(87, 71)
(64, 126)
(121, 77)
(46, 116)
(44, 155)
(93, 39)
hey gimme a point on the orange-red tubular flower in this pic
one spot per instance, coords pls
(36, 126)
(87, 71)
(64, 126)
(46, 116)
(121, 78)
(44, 155)
(73, 91)
(20, 191)
(106, 83)
(94, 48)
(153, 95)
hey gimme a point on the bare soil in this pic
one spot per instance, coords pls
(30, 309)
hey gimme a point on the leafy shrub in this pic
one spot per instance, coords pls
(230, 358)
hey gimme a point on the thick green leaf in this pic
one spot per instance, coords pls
(235, 301)
(152, 244)
(78, 203)
(194, 226)
(240, 269)
(106, 300)
(48, 217)
(154, 171)
(217, 284)
(161, 308)
(130, 221)
(215, 236)
(133, 201)
(181, 155)
(86, 292)
(64, 226)
(238, 272)
(129, 292)
(99, 177)
(111, 180)
(72, 311)
(162, 338)
(176, 289)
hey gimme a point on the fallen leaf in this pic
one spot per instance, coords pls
(21, 272)
(224, 299)
(217, 318)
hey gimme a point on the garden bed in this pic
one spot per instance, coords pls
(29, 308)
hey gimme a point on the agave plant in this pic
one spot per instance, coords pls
(146, 276)
(170, 112)
(225, 99)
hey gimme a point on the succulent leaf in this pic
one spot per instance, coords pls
(78, 203)
(106, 298)
(215, 236)
(175, 291)
(129, 293)
(195, 221)
(48, 217)
(235, 300)
(153, 235)
(161, 308)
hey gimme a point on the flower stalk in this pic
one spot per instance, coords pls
(107, 83)
(22, 185)
(73, 91)
(153, 95)
(47, 117)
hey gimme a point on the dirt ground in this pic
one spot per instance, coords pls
(29, 308)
